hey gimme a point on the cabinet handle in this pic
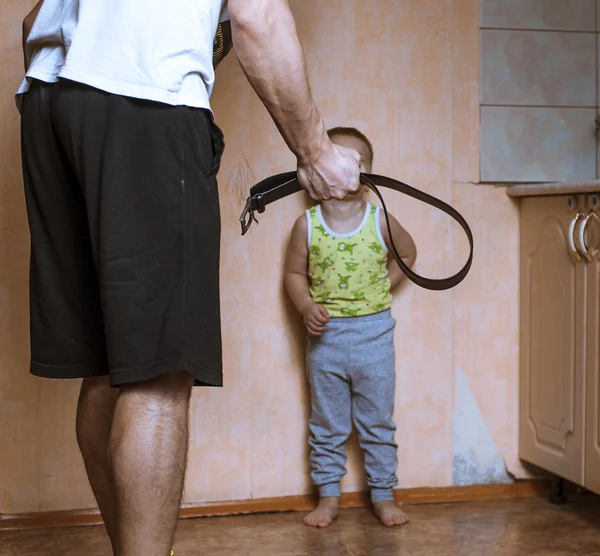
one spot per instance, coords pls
(571, 237)
(582, 229)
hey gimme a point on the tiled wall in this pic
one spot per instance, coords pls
(539, 75)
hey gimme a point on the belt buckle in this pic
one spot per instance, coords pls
(247, 216)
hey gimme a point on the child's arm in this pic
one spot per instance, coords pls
(406, 248)
(315, 316)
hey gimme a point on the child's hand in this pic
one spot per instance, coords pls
(315, 318)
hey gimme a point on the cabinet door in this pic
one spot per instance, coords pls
(592, 467)
(552, 338)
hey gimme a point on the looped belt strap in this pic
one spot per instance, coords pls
(279, 186)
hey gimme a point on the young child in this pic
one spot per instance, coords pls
(339, 276)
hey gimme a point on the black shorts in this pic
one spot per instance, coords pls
(123, 210)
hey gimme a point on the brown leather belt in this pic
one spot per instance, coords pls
(279, 186)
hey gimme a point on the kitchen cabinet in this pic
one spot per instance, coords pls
(560, 336)
(592, 462)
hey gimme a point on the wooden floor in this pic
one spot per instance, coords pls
(528, 527)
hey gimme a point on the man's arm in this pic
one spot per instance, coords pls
(406, 248)
(27, 26)
(267, 46)
(314, 315)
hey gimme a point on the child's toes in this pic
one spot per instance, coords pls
(390, 514)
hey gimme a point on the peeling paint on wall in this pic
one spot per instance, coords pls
(475, 456)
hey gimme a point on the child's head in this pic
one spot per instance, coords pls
(352, 138)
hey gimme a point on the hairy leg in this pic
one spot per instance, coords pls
(95, 411)
(147, 457)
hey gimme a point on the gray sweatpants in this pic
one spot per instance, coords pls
(352, 375)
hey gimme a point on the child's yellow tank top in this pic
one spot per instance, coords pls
(348, 272)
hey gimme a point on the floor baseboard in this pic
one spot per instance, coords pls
(302, 503)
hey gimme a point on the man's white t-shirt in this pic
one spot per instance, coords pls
(149, 49)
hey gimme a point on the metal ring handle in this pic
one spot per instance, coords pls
(571, 237)
(582, 230)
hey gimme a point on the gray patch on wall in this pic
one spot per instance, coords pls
(475, 457)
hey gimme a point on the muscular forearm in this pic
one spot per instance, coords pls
(267, 47)
(298, 290)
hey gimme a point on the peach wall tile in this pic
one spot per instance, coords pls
(62, 479)
(465, 40)
(11, 21)
(539, 14)
(220, 455)
(466, 133)
(282, 468)
(10, 149)
(426, 61)
(538, 68)
(375, 67)
(465, 115)
(19, 489)
(414, 15)
(18, 408)
(424, 352)
(486, 312)
(14, 237)
(279, 389)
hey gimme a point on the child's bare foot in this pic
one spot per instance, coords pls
(325, 513)
(390, 514)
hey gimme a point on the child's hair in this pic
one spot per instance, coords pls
(354, 133)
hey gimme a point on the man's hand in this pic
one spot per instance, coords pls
(334, 174)
(315, 318)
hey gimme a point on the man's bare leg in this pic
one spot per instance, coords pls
(147, 458)
(94, 420)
